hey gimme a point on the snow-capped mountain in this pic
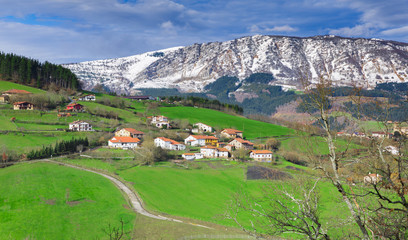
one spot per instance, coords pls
(349, 61)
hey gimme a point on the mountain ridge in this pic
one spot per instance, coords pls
(349, 61)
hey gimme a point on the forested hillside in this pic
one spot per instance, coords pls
(31, 72)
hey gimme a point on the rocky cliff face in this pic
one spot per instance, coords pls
(349, 62)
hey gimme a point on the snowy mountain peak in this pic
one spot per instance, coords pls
(349, 61)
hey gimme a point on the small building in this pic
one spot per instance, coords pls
(80, 126)
(239, 143)
(340, 134)
(392, 149)
(359, 134)
(123, 142)
(201, 128)
(74, 107)
(23, 106)
(129, 132)
(160, 121)
(372, 178)
(4, 98)
(89, 97)
(167, 143)
(16, 92)
(214, 152)
(192, 156)
(231, 133)
(201, 140)
(381, 135)
(140, 98)
(261, 155)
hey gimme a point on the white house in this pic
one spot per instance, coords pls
(239, 143)
(159, 121)
(261, 155)
(89, 97)
(380, 134)
(80, 126)
(129, 132)
(201, 127)
(231, 133)
(372, 178)
(192, 156)
(201, 140)
(391, 149)
(214, 152)
(167, 143)
(123, 142)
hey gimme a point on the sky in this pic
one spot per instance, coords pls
(66, 31)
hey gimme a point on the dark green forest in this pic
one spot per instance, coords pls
(31, 72)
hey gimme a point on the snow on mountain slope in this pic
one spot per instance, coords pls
(350, 61)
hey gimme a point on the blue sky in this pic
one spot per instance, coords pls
(63, 31)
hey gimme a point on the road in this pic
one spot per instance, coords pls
(134, 199)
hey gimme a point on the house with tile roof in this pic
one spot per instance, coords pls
(239, 143)
(214, 152)
(167, 143)
(201, 128)
(159, 121)
(89, 97)
(201, 140)
(129, 132)
(192, 156)
(123, 142)
(231, 133)
(23, 106)
(261, 155)
(74, 107)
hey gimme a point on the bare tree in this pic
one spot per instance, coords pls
(116, 233)
(290, 208)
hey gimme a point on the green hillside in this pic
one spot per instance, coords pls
(47, 201)
(4, 86)
(219, 120)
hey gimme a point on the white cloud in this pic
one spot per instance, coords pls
(358, 30)
(285, 28)
(396, 31)
(263, 28)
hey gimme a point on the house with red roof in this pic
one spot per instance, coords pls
(74, 107)
(201, 140)
(167, 143)
(239, 143)
(192, 156)
(123, 142)
(129, 132)
(231, 133)
(23, 106)
(159, 121)
(214, 152)
(261, 155)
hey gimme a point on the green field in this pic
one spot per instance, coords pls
(219, 120)
(4, 86)
(48, 201)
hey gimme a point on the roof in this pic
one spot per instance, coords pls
(17, 91)
(243, 141)
(188, 154)
(78, 122)
(209, 147)
(73, 104)
(261, 151)
(201, 124)
(124, 140)
(169, 140)
(231, 131)
(18, 103)
(222, 149)
(204, 137)
(134, 131)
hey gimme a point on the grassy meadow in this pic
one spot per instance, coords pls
(5, 85)
(219, 120)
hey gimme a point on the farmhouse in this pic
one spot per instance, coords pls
(231, 133)
(167, 143)
(372, 178)
(16, 92)
(201, 128)
(359, 134)
(261, 155)
(160, 121)
(381, 135)
(89, 97)
(201, 140)
(192, 156)
(123, 142)
(129, 132)
(74, 107)
(80, 126)
(214, 152)
(239, 143)
(4, 98)
(23, 106)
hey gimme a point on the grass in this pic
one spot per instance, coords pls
(47, 201)
(203, 190)
(4, 86)
(219, 120)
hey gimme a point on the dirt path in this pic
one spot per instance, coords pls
(136, 203)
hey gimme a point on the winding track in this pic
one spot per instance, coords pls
(136, 203)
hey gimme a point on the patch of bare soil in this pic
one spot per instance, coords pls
(73, 203)
(258, 172)
(126, 206)
(294, 168)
